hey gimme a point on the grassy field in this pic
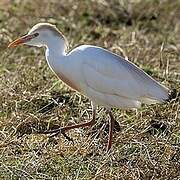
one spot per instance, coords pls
(32, 99)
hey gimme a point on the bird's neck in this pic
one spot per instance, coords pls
(56, 53)
(56, 46)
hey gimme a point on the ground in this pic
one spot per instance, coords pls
(32, 98)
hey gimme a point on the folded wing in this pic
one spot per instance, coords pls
(112, 75)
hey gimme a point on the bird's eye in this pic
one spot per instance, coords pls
(36, 34)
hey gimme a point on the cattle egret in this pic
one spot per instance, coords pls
(105, 78)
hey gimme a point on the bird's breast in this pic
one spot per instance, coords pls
(58, 67)
(68, 81)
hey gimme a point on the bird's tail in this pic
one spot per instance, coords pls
(160, 95)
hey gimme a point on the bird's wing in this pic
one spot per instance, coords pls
(111, 74)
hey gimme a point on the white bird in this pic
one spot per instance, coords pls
(104, 77)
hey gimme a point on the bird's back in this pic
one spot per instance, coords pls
(110, 74)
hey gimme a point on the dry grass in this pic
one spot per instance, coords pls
(147, 147)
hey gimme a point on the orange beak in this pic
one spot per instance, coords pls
(22, 40)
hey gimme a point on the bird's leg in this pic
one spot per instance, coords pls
(89, 123)
(66, 128)
(111, 127)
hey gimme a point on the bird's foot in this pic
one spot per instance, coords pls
(62, 130)
(56, 132)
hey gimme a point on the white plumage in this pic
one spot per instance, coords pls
(112, 81)
(104, 77)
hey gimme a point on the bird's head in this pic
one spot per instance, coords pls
(42, 34)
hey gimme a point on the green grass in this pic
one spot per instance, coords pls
(32, 98)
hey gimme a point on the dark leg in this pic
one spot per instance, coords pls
(111, 127)
(66, 128)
